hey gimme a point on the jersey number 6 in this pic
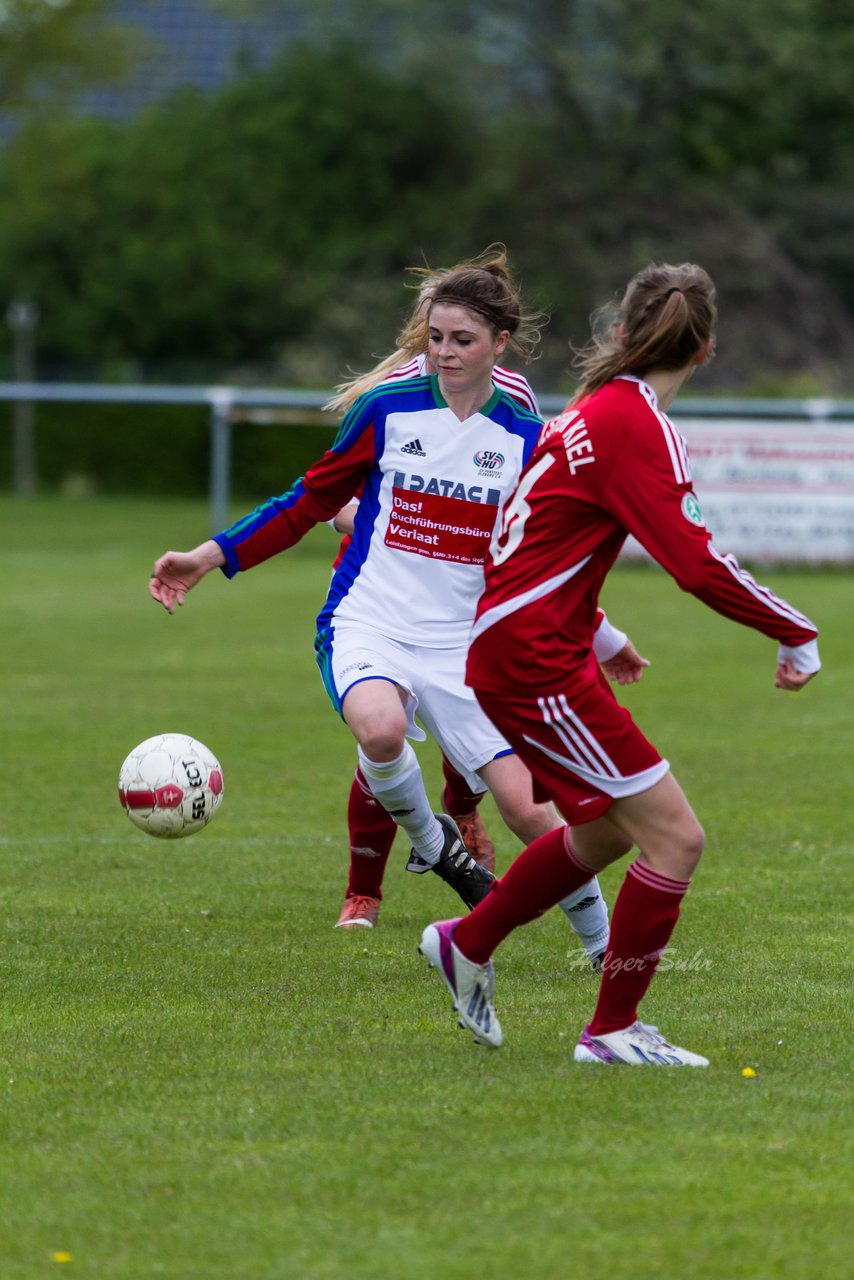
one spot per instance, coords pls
(516, 512)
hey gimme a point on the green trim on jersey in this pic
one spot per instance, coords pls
(382, 390)
(484, 409)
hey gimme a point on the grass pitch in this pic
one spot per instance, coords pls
(200, 1078)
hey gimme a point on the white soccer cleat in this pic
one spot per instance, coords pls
(637, 1045)
(471, 985)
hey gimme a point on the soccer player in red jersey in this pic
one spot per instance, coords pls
(611, 465)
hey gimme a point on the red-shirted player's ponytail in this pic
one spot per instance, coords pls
(666, 317)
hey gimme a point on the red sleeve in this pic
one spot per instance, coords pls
(281, 522)
(649, 491)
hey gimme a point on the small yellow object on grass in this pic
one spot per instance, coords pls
(61, 1255)
(748, 1073)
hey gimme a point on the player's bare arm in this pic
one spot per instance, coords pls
(345, 520)
(176, 572)
(626, 667)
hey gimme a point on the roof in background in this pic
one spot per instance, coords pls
(184, 44)
(189, 44)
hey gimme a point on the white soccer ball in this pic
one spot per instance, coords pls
(170, 785)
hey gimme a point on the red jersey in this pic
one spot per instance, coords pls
(611, 465)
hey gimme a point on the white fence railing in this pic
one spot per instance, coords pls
(227, 406)
(775, 477)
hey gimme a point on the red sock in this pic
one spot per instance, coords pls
(642, 921)
(543, 873)
(372, 833)
(458, 796)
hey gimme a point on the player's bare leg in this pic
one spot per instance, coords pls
(375, 712)
(585, 908)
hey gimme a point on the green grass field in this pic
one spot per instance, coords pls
(200, 1078)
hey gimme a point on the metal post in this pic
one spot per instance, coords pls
(22, 316)
(221, 401)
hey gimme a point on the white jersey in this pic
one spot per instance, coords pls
(431, 489)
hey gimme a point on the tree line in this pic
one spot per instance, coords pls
(262, 233)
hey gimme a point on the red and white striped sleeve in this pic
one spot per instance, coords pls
(412, 369)
(649, 491)
(517, 386)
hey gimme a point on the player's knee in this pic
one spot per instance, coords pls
(676, 851)
(382, 743)
(692, 843)
(526, 820)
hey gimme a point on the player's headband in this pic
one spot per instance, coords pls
(455, 300)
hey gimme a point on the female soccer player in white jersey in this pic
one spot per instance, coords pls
(433, 457)
(371, 828)
(611, 465)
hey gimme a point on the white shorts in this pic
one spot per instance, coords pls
(434, 681)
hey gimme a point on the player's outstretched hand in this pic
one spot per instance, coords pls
(176, 572)
(626, 667)
(787, 677)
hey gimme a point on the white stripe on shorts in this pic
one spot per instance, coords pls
(586, 757)
(576, 737)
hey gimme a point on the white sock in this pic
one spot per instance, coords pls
(587, 912)
(399, 787)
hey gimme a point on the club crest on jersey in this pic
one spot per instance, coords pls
(691, 510)
(489, 462)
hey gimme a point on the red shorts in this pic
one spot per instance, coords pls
(583, 749)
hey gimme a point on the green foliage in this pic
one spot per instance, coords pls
(220, 228)
(201, 1078)
(262, 232)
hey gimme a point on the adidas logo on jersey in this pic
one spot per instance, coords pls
(414, 447)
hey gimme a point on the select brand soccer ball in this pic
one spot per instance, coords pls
(170, 786)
